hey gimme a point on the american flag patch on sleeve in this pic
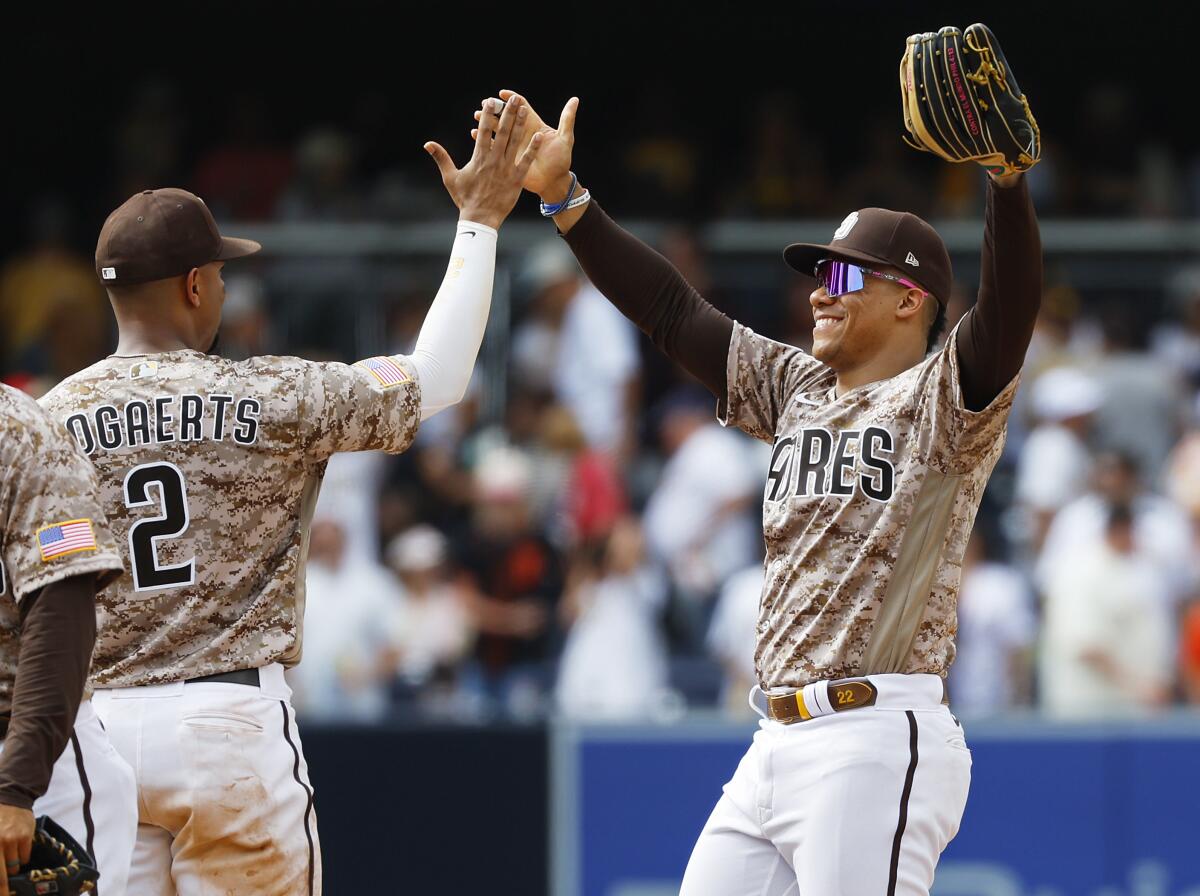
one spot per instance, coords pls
(66, 538)
(385, 369)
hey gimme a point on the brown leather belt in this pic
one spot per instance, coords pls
(841, 694)
(239, 676)
(844, 693)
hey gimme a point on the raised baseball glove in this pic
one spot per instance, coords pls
(58, 865)
(962, 102)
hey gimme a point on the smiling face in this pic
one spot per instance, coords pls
(854, 327)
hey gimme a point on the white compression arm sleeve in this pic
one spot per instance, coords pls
(453, 330)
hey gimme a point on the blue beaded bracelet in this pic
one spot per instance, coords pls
(549, 211)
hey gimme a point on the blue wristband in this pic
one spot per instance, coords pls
(549, 211)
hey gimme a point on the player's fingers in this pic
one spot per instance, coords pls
(517, 143)
(529, 154)
(507, 94)
(566, 121)
(444, 162)
(488, 123)
(12, 865)
(474, 133)
(508, 120)
(483, 105)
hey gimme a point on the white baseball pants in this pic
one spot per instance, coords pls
(847, 804)
(92, 795)
(224, 797)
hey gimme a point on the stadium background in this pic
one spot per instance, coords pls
(721, 136)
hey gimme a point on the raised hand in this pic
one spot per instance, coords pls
(550, 174)
(486, 188)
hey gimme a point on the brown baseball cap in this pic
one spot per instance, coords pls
(882, 236)
(163, 233)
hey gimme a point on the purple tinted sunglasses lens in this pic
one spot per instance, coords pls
(838, 277)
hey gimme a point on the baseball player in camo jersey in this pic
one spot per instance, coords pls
(55, 551)
(209, 472)
(858, 776)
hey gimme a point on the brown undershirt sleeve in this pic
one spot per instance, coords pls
(995, 334)
(58, 631)
(647, 289)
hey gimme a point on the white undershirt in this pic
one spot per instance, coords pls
(449, 341)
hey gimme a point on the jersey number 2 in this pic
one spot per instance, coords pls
(173, 520)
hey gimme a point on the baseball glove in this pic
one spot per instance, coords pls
(962, 102)
(58, 865)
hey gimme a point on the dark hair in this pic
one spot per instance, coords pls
(1120, 516)
(1123, 460)
(935, 329)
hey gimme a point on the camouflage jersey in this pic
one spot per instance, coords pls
(869, 502)
(51, 525)
(209, 471)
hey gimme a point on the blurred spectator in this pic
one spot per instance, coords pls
(1106, 181)
(1058, 341)
(324, 186)
(614, 664)
(996, 627)
(1143, 405)
(54, 317)
(1062, 337)
(514, 582)
(324, 290)
(786, 173)
(732, 636)
(245, 325)
(348, 605)
(1054, 463)
(431, 631)
(1106, 645)
(349, 497)
(661, 164)
(595, 368)
(243, 176)
(698, 520)
(1189, 654)
(590, 497)
(1161, 530)
(1182, 477)
(1177, 340)
(148, 141)
(883, 177)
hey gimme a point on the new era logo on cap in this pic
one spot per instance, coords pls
(108, 273)
(912, 259)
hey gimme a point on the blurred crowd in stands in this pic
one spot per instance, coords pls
(580, 538)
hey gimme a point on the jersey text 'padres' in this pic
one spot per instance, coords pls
(869, 502)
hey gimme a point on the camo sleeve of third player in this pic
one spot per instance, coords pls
(51, 526)
(374, 404)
